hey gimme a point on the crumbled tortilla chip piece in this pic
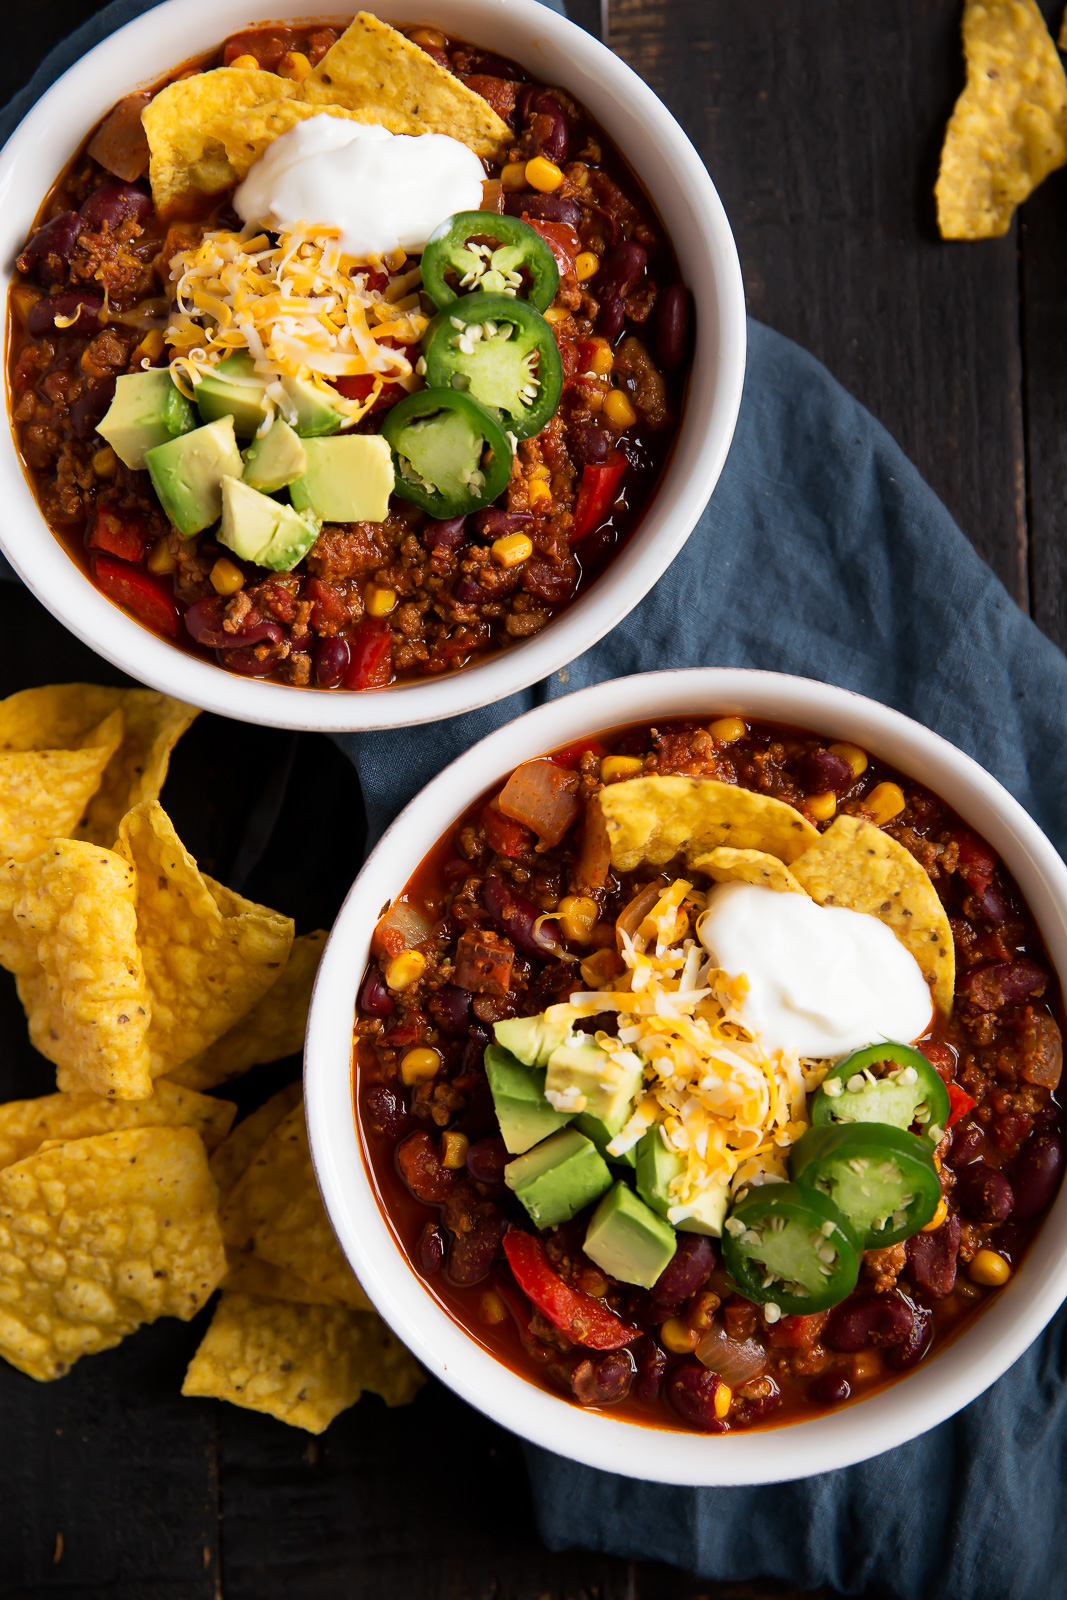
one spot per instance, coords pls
(209, 955)
(275, 1212)
(46, 786)
(247, 1274)
(100, 1235)
(273, 1028)
(27, 1124)
(748, 866)
(303, 1364)
(68, 930)
(651, 820)
(234, 1155)
(375, 71)
(187, 124)
(856, 865)
(1008, 130)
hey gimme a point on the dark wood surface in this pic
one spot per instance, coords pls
(821, 122)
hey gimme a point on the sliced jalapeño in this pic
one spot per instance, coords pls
(502, 353)
(881, 1178)
(887, 1082)
(450, 453)
(791, 1247)
(479, 250)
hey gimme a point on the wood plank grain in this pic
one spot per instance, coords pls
(1043, 238)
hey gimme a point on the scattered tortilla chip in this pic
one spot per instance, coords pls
(100, 1235)
(748, 866)
(375, 71)
(301, 1364)
(651, 820)
(187, 122)
(45, 786)
(247, 1274)
(856, 865)
(26, 1124)
(68, 930)
(1008, 130)
(208, 954)
(274, 1027)
(234, 1155)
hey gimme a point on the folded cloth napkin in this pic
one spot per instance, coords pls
(822, 553)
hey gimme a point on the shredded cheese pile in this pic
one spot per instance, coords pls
(299, 307)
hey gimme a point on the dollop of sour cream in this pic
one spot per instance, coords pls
(384, 191)
(822, 980)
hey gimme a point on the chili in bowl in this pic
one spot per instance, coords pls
(426, 446)
(700, 1118)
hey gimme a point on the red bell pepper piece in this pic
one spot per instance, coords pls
(572, 756)
(597, 494)
(138, 591)
(358, 387)
(121, 534)
(561, 239)
(797, 1333)
(371, 665)
(942, 1058)
(581, 1317)
(977, 862)
(959, 1103)
(507, 838)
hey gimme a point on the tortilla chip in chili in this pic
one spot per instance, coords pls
(748, 866)
(653, 819)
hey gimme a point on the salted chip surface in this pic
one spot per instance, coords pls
(1008, 130)
(68, 930)
(651, 820)
(748, 866)
(100, 1235)
(46, 785)
(27, 1124)
(274, 1027)
(303, 1364)
(234, 1155)
(209, 955)
(856, 865)
(187, 124)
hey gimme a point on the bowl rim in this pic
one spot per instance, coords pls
(168, 34)
(929, 1394)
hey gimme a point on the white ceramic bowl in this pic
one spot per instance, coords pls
(673, 174)
(934, 1390)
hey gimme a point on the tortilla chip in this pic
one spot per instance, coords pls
(301, 1364)
(68, 930)
(209, 955)
(249, 1275)
(100, 1235)
(376, 72)
(1008, 130)
(45, 786)
(234, 1155)
(187, 125)
(651, 820)
(250, 132)
(748, 866)
(26, 1124)
(856, 865)
(274, 1028)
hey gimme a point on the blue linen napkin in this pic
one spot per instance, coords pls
(822, 553)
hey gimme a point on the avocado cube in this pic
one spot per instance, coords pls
(524, 1114)
(275, 460)
(234, 389)
(292, 540)
(249, 519)
(532, 1039)
(558, 1178)
(307, 409)
(707, 1212)
(148, 409)
(657, 1167)
(627, 1240)
(609, 1084)
(187, 474)
(602, 1136)
(348, 479)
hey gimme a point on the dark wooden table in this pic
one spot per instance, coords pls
(821, 122)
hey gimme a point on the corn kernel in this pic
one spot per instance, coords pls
(23, 300)
(418, 1065)
(513, 176)
(577, 914)
(586, 265)
(104, 462)
(150, 348)
(866, 1364)
(728, 729)
(885, 801)
(161, 558)
(602, 359)
(556, 314)
(724, 1399)
(428, 38)
(511, 549)
(454, 1147)
(615, 767)
(938, 1217)
(543, 175)
(618, 410)
(990, 1269)
(491, 1308)
(855, 757)
(379, 602)
(821, 807)
(405, 969)
(598, 969)
(226, 577)
(295, 65)
(246, 63)
(678, 1337)
(539, 492)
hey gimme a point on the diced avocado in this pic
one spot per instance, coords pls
(187, 474)
(346, 480)
(557, 1178)
(627, 1240)
(307, 411)
(601, 1136)
(707, 1212)
(147, 410)
(524, 1114)
(609, 1083)
(249, 519)
(274, 460)
(234, 389)
(533, 1039)
(657, 1167)
(294, 537)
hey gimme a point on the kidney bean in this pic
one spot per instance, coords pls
(549, 129)
(932, 1259)
(650, 1361)
(673, 316)
(1010, 1129)
(869, 1320)
(821, 770)
(526, 99)
(687, 1271)
(431, 1249)
(493, 524)
(543, 208)
(374, 997)
(763, 1398)
(113, 203)
(992, 904)
(330, 661)
(591, 444)
(604, 1381)
(471, 1254)
(912, 1348)
(90, 406)
(228, 218)
(989, 988)
(550, 582)
(450, 1008)
(448, 533)
(691, 1390)
(51, 247)
(831, 1389)
(479, 1118)
(517, 916)
(204, 621)
(1036, 1176)
(983, 1193)
(966, 1143)
(1040, 1051)
(469, 593)
(246, 662)
(487, 1159)
(421, 1169)
(619, 271)
(384, 1111)
(42, 316)
(483, 63)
